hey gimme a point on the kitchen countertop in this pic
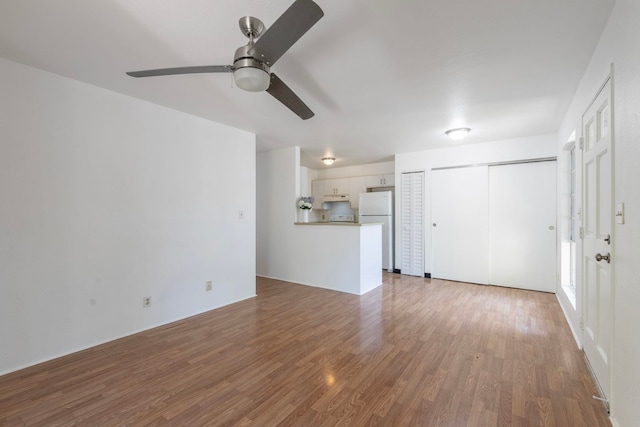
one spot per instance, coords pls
(348, 224)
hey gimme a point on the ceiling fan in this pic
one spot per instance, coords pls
(252, 62)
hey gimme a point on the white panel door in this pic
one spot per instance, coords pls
(460, 229)
(522, 224)
(597, 187)
(412, 224)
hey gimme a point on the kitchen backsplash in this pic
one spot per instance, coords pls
(332, 208)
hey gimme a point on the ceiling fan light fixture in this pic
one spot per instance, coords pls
(458, 133)
(251, 79)
(328, 160)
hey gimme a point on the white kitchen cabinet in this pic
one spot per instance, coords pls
(336, 186)
(357, 185)
(387, 180)
(348, 186)
(328, 187)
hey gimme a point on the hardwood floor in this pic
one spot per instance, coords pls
(415, 352)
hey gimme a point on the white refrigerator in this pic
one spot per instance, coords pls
(378, 208)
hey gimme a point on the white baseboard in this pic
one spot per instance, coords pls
(614, 423)
(576, 336)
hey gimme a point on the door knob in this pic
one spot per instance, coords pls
(606, 257)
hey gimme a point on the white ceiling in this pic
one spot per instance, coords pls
(382, 76)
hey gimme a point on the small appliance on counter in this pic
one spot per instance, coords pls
(378, 207)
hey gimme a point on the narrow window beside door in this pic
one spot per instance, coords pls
(573, 222)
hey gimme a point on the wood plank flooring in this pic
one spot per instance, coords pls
(414, 352)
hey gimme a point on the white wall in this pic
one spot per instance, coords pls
(278, 187)
(619, 45)
(305, 180)
(499, 151)
(106, 199)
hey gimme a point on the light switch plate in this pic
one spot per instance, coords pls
(619, 213)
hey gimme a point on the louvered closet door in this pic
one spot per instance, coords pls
(413, 224)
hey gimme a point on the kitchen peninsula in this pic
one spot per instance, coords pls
(345, 257)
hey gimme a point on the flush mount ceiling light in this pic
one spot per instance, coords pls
(458, 133)
(252, 79)
(328, 160)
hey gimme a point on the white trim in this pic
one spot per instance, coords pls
(513, 162)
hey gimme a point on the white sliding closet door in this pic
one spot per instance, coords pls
(412, 224)
(522, 224)
(460, 224)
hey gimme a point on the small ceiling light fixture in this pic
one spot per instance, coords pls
(458, 133)
(328, 160)
(252, 79)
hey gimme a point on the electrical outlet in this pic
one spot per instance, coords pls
(146, 302)
(209, 285)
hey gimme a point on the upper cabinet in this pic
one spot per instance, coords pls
(388, 180)
(351, 187)
(336, 186)
(328, 187)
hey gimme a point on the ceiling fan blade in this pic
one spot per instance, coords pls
(288, 28)
(282, 93)
(182, 70)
